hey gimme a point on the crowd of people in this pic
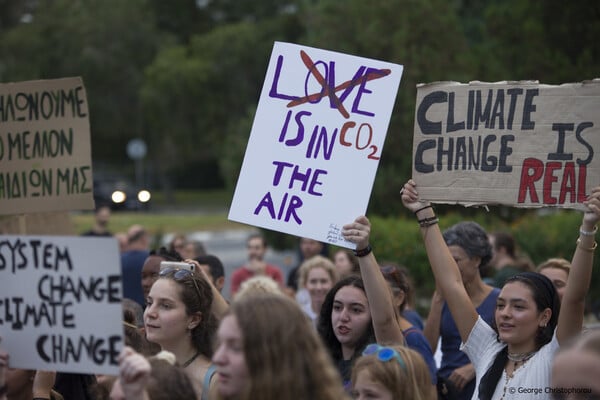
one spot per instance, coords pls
(345, 326)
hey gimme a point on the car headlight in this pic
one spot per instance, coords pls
(144, 196)
(118, 196)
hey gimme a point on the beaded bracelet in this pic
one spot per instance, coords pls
(427, 222)
(588, 249)
(363, 252)
(588, 233)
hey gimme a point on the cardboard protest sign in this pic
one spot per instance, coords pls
(45, 151)
(520, 144)
(316, 141)
(60, 303)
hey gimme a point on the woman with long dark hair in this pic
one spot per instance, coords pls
(515, 353)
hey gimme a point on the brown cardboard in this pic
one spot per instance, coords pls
(531, 145)
(45, 150)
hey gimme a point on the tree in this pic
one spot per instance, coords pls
(424, 36)
(107, 42)
(197, 96)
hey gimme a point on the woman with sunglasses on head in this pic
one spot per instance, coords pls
(391, 373)
(178, 317)
(358, 309)
(516, 352)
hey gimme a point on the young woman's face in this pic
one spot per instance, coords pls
(365, 388)
(350, 316)
(318, 283)
(517, 316)
(165, 318)
(558, 278)
(230, 359)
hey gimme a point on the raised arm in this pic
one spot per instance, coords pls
(444, 267)
(381, 305)
(570, 319)
(134, 374)
(219, 305)
(431, 330)
(43, 383)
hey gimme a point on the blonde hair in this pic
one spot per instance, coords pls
(409, 381)
(558, 263)
(317, 261)
(279, 341)
(257, 285)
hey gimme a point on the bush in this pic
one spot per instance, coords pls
(538, 235)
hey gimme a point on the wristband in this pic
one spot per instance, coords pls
(423, 208)
(588, 233)
(588, 249)
(3, 389)
(363, 252)
(427, 222)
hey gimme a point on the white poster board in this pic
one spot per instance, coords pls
(45, 149)
(316, 142)
(521, 144)
(60, 303)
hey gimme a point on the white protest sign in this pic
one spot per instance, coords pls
(60, 303)
(45, 149)
(316, 142)
(521, 144)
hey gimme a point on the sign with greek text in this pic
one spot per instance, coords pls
(60, 303)
(45, 151)
(520, 144)
(316, 142)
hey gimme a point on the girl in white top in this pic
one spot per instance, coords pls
(512, 359)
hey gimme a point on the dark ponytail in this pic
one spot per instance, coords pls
(489, 381)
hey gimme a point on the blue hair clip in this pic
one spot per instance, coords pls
(384, 354)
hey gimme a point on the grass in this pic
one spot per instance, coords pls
(186, 211)
(157, 224)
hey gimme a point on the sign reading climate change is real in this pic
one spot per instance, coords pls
(45, 151)
(519, 144)
(60, 303)
(316, 142)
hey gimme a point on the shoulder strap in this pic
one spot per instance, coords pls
(410, 330)
(212, 369)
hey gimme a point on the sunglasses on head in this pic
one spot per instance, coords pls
(384, 354)
(180, 275)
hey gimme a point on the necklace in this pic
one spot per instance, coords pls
(188, 362)
(521, 357)
(516, 358)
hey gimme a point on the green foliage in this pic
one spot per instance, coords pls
(424, 36)
(539, 236)
(186, 75)
(106, 42)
